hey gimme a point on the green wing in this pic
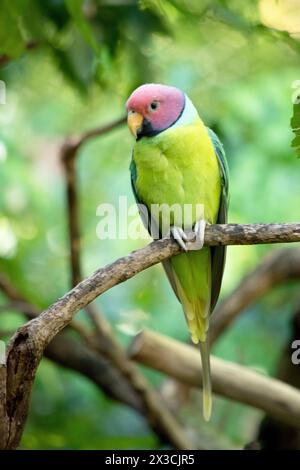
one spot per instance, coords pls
(219, 253)
(142, 207)
(145, 216)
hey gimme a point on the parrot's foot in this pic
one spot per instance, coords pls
(199, 230)
(180, 237)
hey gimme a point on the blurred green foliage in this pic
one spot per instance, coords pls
(69, 66)
(295, 121)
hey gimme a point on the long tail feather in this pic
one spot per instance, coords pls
(193, 288)
(206, 379)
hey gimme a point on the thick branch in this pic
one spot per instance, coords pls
(26, 347)
(233, 381)
(251, 234)
(20, 304)
(80, 357)
(102, 360)
(277, 267)
(56, 317)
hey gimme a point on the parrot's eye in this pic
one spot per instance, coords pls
(154, 105)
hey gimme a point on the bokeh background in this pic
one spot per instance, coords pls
(69, 67)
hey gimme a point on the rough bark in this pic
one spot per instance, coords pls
(27, 345)
(107, 366)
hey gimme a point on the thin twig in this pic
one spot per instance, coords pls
(69, 153)
(20, 304)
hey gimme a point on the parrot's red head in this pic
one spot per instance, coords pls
(152, 108)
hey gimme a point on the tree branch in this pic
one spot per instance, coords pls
(20, 304)
(27, 345)
(68, 156)
(59, 314)
(251, 234)
(73, 144)
(105, 363)
(78, 356)
(233, 381)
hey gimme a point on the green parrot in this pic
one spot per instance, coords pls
(178, 161)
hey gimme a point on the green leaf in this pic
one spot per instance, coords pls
(12, 41)
(295, 125)
(75, 8)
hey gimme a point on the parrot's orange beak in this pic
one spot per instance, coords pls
(134, 121)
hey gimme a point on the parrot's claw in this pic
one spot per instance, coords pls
(180, 237)
(199, 230)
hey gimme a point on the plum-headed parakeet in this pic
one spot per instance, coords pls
(178, 160)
